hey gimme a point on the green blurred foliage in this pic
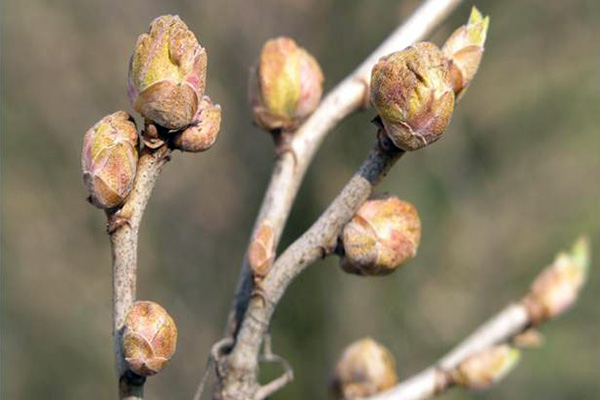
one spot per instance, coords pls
(514, 180)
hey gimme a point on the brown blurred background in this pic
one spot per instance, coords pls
(513, 181)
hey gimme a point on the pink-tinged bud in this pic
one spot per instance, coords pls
(202, 133)
(149, 338)
(487, 367)
(109, 159)
(365, 369)
(412, 92)
(464, 49)
(262, 250)
(383, 234)
(167, 73)
(556, 288)
(285, 86)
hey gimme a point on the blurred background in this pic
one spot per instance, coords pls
(515, 180)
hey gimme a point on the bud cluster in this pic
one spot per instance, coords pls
(414, 90)
(167, 78)
(364, 369)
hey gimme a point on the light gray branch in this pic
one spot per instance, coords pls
(123, 228)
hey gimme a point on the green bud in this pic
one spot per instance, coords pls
(556, 288)
(149, 338)
(285, 86)
(464, 48)
(383, 234)
(109, 159)
(412, 92)
(365, 369)
(167, 73)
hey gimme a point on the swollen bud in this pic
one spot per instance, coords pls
(412, 92)
(167, 73)
(202, 133)
(464, 49)
(109, 159)
(149, 338)
(383, 234)
(365, 369)
(556, 288)
(483, 369)
(285, 86)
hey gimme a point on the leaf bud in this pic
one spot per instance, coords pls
(384, 233)
(365, 369)
(167, 73)
(556, 288)
(482, 370)
(285, 86)
(464, 49)
(149, 338)
(412, 93)
(202, 133)
(262, 250)
(109, 159)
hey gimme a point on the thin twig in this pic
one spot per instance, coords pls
(504, 327)
(320, 239)
(123, 228)
(347, 97)
(275, 385)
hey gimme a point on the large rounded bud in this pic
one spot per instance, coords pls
(167, 73)
(412, 92)
(383, 234)
(149, 338)
(285, 86)
(109, 159)
(365, 369)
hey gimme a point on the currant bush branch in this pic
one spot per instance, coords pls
(123, 227)
(555, 290)
(347, 97)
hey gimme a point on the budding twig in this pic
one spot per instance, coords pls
(504, 327)
(124, 227)
(347, 97)
(242, 363)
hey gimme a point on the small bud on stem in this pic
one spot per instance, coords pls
(261, 251)
(483, 369)
(383, 234)
(556, 288)
(109, 159)
(202, 133)
(149, 338)
(365, 369)
(286, 85)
